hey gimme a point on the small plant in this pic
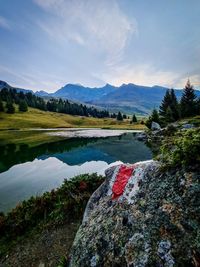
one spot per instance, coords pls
(181, 150)
(63, 262)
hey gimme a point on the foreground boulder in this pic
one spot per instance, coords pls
(141, 216)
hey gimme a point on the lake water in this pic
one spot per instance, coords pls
(28, 171)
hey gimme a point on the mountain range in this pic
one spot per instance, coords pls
(129, 98)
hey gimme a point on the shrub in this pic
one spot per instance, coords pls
(183, 149)
(63, 204)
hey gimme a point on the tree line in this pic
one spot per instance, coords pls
(25, 100)
(172, 110)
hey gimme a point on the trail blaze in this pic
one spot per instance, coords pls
(121, 180)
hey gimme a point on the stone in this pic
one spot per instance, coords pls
(187, 126)
(155, 126)
(141, 136)
(154, 222)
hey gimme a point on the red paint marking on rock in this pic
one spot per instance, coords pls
(121, 180)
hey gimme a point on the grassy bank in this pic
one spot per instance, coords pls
(54, 209)
(10, 124)
(36, 118)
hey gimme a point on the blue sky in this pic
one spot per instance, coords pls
(46, 44)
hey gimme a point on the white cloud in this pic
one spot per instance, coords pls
(149, 75)
(98, 25)
(141, 75)
(4, 23)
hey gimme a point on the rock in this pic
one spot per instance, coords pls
(141, 136)
(187, 126)
(142, 218)
(155, 126)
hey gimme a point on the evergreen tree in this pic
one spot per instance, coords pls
(188, 102)
(10, 107)
(174, 106)
(119, 116)
(165, 103)
(1, 105)
(153, 117)
(23, 106)
(169, 106)
(124, 116)
(169, 115)
(55, 105)
(134, 119)
(113, 115)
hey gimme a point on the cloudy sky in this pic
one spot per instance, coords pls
(45, 44)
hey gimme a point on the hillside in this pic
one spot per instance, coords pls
(36, 119)
(129, 98)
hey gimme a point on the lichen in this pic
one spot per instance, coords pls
(155, 223)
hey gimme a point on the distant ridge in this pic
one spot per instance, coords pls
(129, 98)
(8, 86)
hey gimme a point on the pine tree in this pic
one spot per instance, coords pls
(188, 102)
(169, 105)
(119, 116)
(10, 108)
(169, 115)
(165, 103)
(154, 117)
(23, 106)
(174, 106)
(1, 105)
(134, 119)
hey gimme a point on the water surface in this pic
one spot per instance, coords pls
(31, 171)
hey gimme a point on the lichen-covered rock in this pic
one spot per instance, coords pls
(153, 221)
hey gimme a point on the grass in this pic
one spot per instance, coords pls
(10, 124)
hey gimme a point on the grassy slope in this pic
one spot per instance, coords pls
(35, 118)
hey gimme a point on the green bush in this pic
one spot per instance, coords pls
(64, 204)
(183, 149)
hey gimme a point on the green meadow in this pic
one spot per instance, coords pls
(27, 127)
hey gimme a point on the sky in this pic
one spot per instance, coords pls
(45, 44)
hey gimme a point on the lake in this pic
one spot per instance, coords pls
(28, 171)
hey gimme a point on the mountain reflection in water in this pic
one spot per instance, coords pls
(31, 171)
